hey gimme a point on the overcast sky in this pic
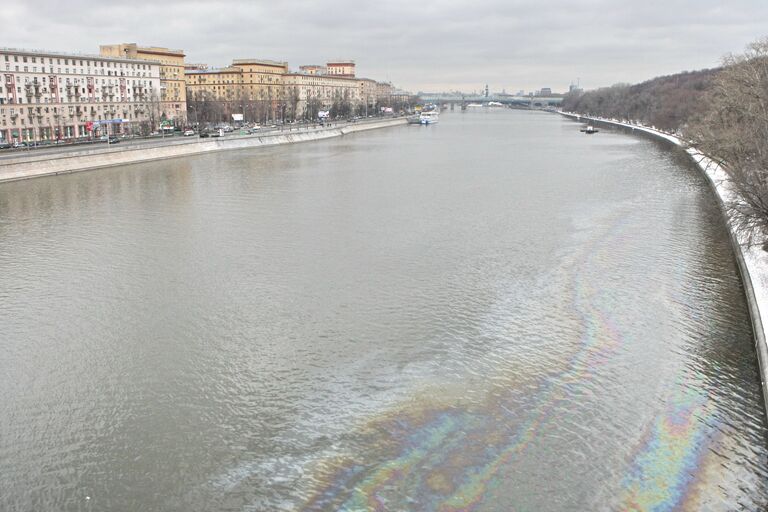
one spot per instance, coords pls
(418, 45)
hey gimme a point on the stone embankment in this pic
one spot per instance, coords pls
(34, 165)
(752, 260)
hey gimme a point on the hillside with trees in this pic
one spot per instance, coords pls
(667, 102)
(722, 112)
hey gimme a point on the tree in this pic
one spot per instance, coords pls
(293, 102)
(314, 105)
(153, 110)
(733, 131)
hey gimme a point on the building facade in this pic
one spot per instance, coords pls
(49, 96)
(343, 68)
(173, 94)
(307, 94)
(252, 87)
(266, 91)
(384, 93)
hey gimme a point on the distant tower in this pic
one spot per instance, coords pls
(486, 90)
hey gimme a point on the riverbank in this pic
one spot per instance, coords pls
(33, 166)
(752, 261)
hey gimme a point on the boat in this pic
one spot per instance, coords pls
(475, 105)
(430, 117)
(589, 130)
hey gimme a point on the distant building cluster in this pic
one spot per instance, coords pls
(264, 90)
(127, 88)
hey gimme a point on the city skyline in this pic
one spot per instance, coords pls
(518, 45)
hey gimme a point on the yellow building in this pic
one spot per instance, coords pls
(265, 91)
(252, 87)
(173, 95)
(263, 81)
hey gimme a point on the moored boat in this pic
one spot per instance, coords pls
(430, 117)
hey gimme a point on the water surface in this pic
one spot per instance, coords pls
(492, 313)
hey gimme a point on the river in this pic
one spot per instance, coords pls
(492, 313)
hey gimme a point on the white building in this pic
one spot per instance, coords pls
(46, 96)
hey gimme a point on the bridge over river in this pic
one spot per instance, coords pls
(505, 99)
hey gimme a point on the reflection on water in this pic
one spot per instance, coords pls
(491, 313)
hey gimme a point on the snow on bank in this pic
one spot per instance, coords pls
(752, 260)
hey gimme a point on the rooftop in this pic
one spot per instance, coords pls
(265, 62)
(228, 69)
(47, 53)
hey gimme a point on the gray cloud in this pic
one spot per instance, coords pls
(427, 45)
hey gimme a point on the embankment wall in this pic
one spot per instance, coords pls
(32, 165)
(751, 260)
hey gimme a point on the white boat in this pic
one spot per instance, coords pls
(475, 105)
(430, 117)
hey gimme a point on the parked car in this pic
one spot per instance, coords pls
(113, 140)
(5, 145)
(189, 133)
(18, 144)
(204, 135)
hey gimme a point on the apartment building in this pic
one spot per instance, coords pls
(253, 87)
(173, 93)
(264, 90)
(320, 92)
(47, 96)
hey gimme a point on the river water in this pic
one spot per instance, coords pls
(493, 313)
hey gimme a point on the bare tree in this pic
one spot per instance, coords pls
(293, 102)
(734, 131)
(154, 110)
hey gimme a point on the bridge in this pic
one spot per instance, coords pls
(505, 99)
